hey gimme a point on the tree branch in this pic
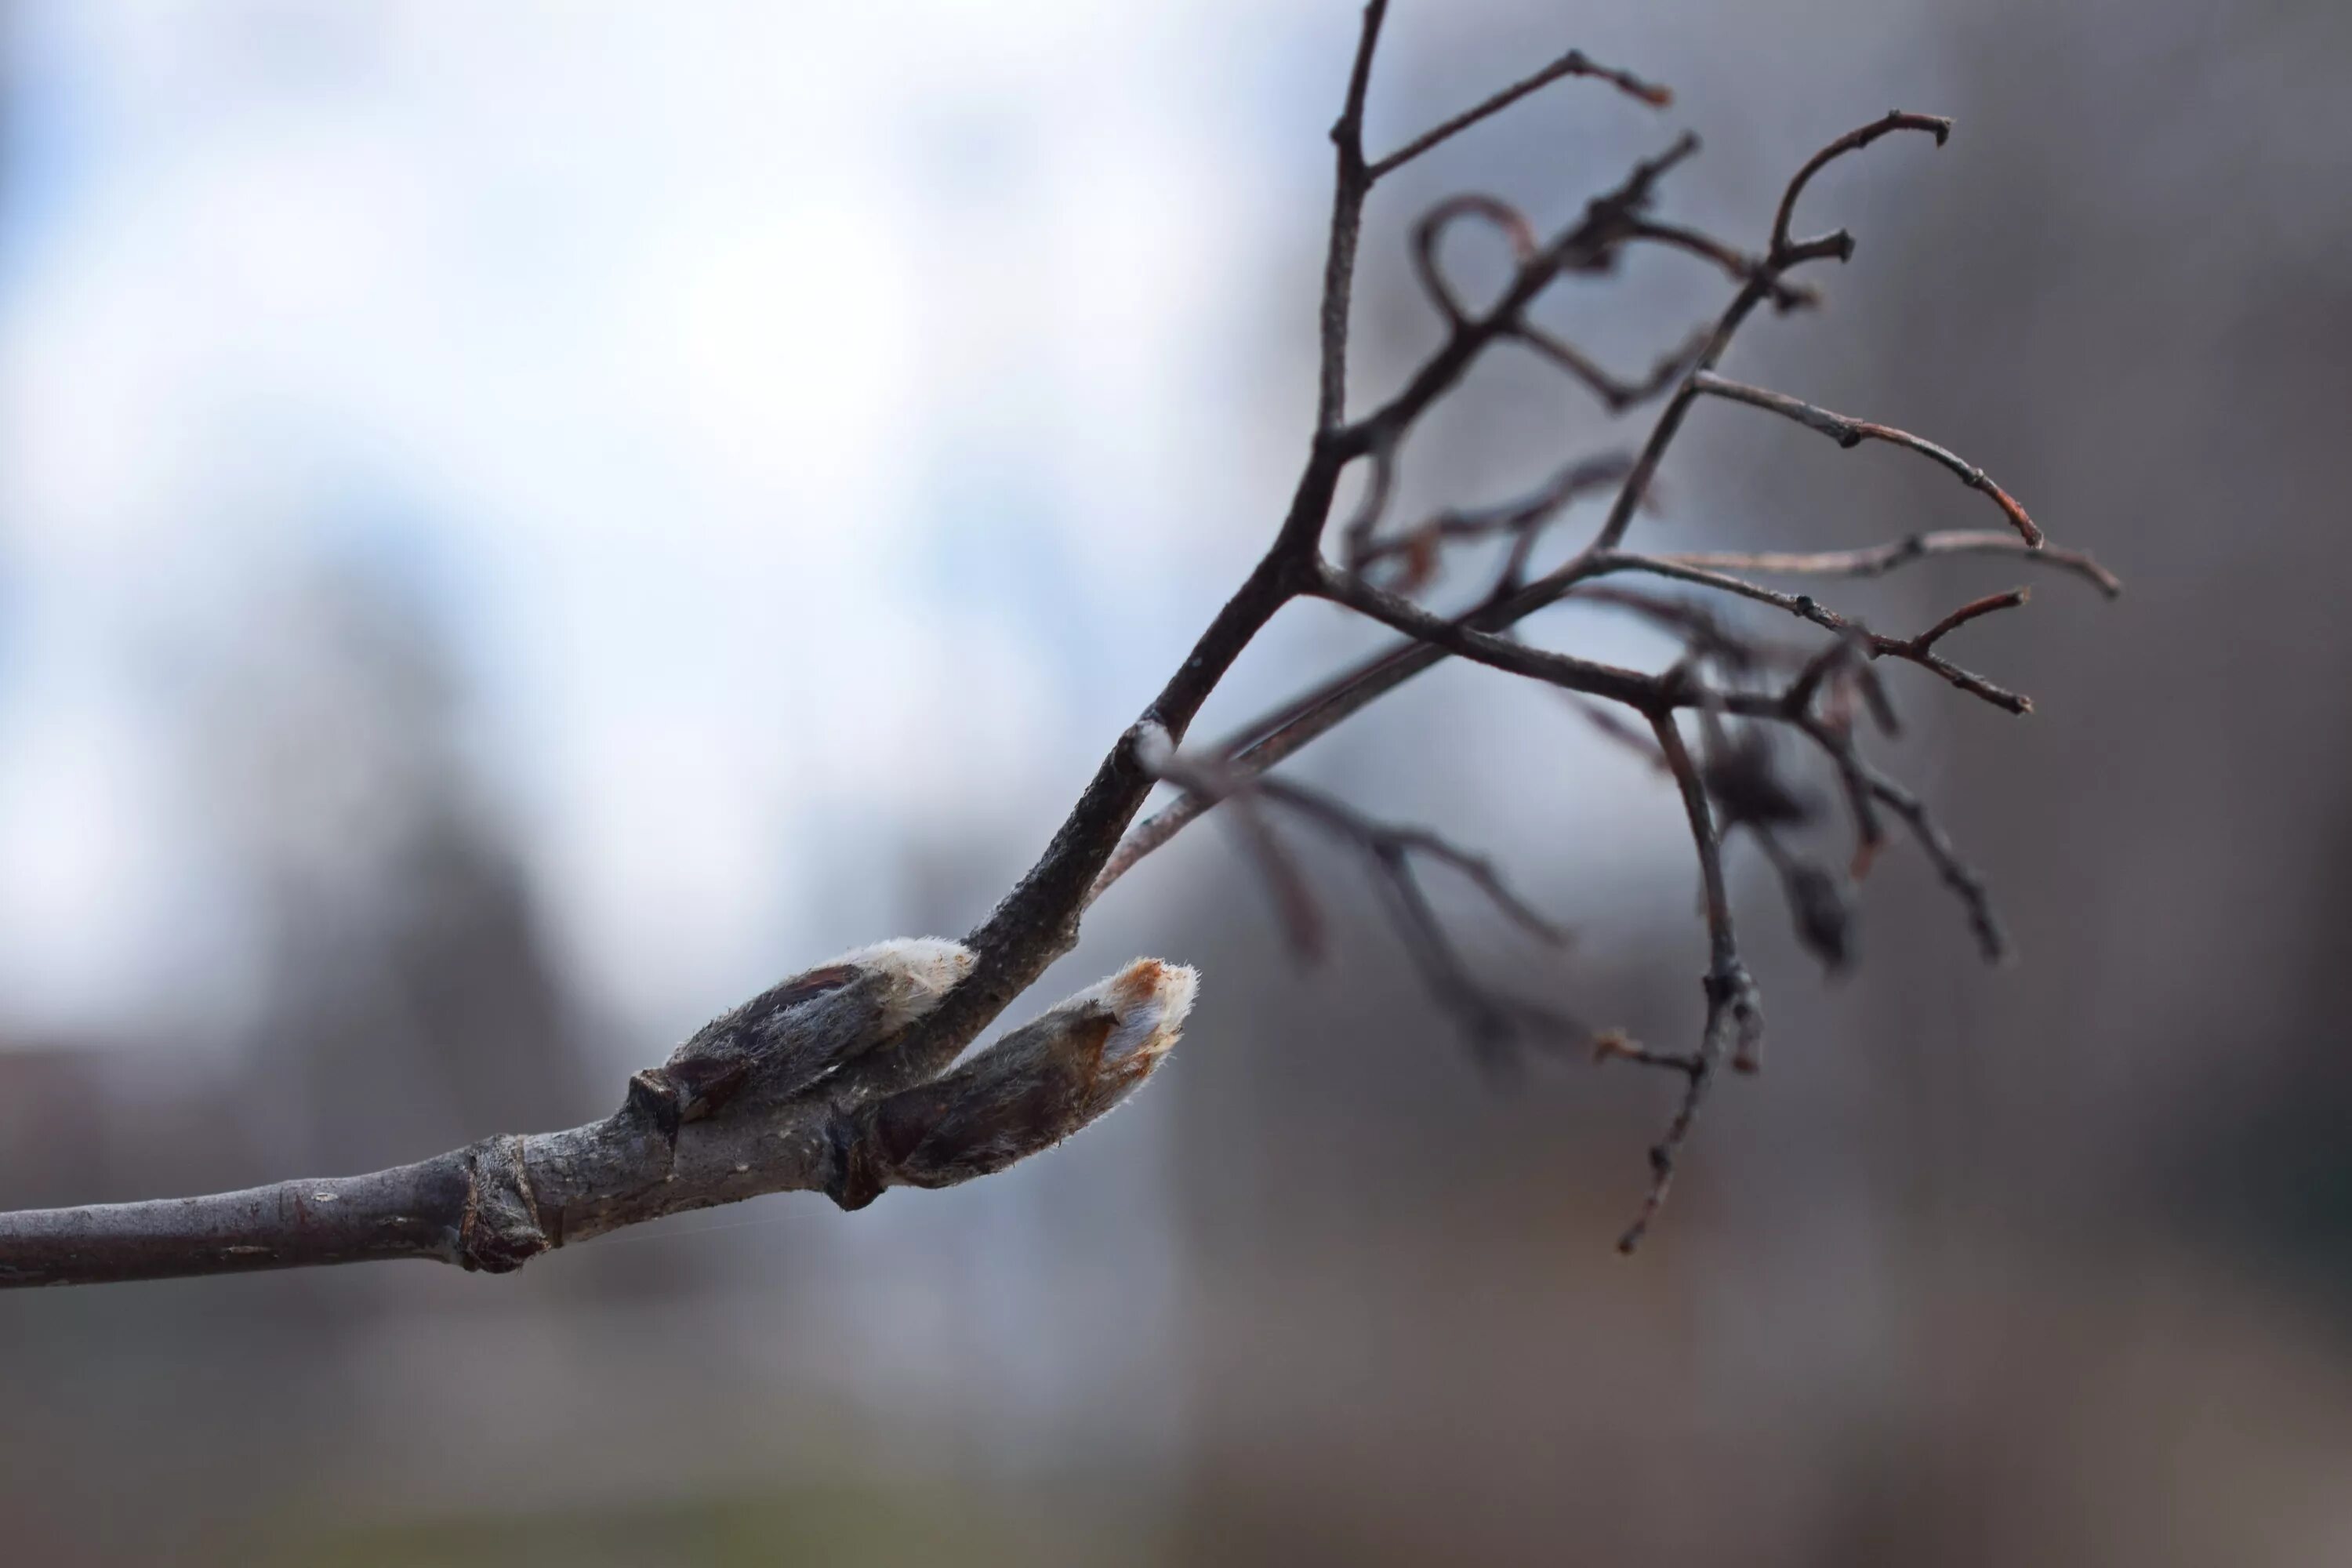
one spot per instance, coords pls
(1573, 63)
(1915, 650)
(494, 1205)
(843, 1079)
(1851, 432)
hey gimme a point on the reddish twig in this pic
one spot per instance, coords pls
(1850, 433)
(1854, 141)
(1968, 612)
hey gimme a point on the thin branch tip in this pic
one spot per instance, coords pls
(1575, 62)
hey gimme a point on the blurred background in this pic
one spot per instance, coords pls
(521, 524)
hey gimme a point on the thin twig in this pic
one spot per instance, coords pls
(1430, 232)
(1573, 63)
(1350, 183)
(1762, 283)
(1316, 713)
(1853, 141)
(1616, 392)
(1968, 612)
(1734, 1018)
(1741, 268)
(1878, 560)
(1853, 782)
(1805, 607)
(1584, 245)
(1521, 520)
(1993, 941)
(1842, 653)
(1850, 433)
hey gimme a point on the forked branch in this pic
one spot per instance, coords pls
(844, 1078)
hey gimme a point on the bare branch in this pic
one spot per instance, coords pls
(1520, 520)
(1284, 732)
(1430, 232)
(1967, 613)
(1845, 653)
(1850, 433)
(1836, 741)
(494, 1205)
(1350, 183)
(1704, 636)
(1573, 63)
(1741, 268)
(1583, 245)
(1880, 559)
(1616, 393)
(1355, 536)
(1914, 650)
(1853, 141)
(1735, 1020)
(1387, 840)
(1964, 884)
(1567, 671)
(844, 1078)
(1491, 1019)
(1762, 283)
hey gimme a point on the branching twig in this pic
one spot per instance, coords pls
(1615, 392)
(1762, 283)
(1916, 650)
(1520, 521)
(843, 1079)
(2010, 600)
(1854, 141)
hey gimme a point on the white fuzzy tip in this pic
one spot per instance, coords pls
(1147, 1001)
(920, 970)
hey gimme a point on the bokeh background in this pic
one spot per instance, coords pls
(521, 524)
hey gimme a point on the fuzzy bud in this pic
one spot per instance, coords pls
(1022, 1094)
(795, 1032)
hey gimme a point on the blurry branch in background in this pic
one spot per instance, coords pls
(1492, 1020)
(844, 1080)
